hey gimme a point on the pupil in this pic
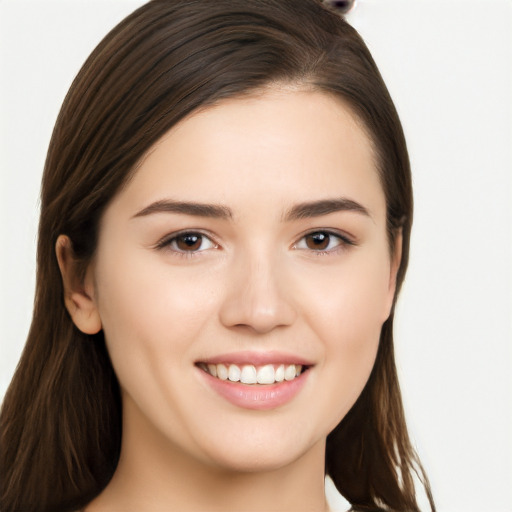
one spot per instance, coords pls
(187, 242)
(318, 241)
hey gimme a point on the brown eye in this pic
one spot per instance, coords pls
(322, 242)
(188, 243)
(318, 241)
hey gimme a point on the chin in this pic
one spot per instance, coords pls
(252, 461)
(263, 453)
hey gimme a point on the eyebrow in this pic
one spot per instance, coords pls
(325, 207)
(300, 211)
(187, 208)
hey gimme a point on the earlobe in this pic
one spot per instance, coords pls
(78, 291)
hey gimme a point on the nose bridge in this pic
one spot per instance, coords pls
(258, 294)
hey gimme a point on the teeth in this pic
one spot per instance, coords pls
(212, 368)
(234, 373)
(266, 375)
(222, 372)
(289, 372)
(250, 374)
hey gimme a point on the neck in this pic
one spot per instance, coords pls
(155, 474)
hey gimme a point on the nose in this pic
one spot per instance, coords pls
(258, 296)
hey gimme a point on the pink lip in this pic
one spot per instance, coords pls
(257, 358)
(254, 396)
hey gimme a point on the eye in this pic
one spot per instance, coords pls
(188, 242)
(322, 241)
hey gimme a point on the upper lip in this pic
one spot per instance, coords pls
(257, 358)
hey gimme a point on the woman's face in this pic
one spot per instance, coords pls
(251, 243)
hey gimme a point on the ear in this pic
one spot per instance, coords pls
(396, 259)
(78, 292)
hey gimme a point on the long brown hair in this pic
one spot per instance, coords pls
(61, 417)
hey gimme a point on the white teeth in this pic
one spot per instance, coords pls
(234, 373)
(222, 372)
(266, 375)
(250, 374)
(289, 373)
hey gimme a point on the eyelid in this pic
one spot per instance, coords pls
(344, 240)
(166, 241)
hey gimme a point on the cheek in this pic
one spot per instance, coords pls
(347, 315)
(151, 322)
(151, 315)
(348, 303)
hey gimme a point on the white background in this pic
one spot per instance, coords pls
(448, 65)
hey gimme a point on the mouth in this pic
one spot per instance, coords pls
(253, 374)
(255, 380)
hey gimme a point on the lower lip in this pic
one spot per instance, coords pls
(254, 396)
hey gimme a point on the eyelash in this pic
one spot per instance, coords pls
(168, 241)
(344, 242)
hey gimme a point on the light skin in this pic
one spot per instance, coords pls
(256, 225)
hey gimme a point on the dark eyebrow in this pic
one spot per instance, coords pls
(186, 208)
(324, 207)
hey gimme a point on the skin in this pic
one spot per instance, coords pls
(255, 282)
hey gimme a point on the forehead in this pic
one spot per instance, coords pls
(280, 145)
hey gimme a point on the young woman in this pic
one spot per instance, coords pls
(225, 221)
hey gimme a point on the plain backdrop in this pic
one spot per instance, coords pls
(448, 65)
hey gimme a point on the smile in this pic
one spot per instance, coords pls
(255, 380)
(253, 374)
